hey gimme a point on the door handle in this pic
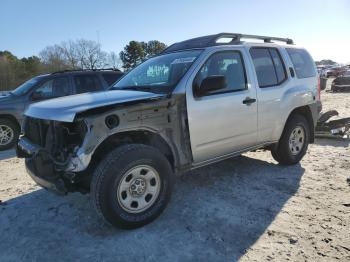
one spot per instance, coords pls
(249, 101)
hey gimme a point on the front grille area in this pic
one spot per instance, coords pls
(57, 140)
(36, 130)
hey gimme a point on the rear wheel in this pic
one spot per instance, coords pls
(294, 141)
(8, 134)
(132, 186)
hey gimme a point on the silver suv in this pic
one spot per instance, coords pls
(199, 102)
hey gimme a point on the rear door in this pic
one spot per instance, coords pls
(222, 121)
(272, 84)
(85, 83)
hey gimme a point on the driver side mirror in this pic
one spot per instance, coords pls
(209, 84)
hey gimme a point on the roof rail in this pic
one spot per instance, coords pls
(212, 40)
(86, 70)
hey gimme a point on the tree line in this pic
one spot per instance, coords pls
(72, 55)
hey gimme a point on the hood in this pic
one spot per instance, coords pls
(4, 93)
(65, 108)
(6, 98)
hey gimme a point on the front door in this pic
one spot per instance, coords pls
(222, 121)
(52, 88)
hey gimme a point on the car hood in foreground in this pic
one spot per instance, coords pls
(65, 108)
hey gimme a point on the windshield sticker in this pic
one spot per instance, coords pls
(183, 60)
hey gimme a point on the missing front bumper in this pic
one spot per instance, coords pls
(40, 167)
(54, 184)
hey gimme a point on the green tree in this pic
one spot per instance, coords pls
(132, 55)
(136, 52)
(12, 71)
(154, 47)
(33, 65)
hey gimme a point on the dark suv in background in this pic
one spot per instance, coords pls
(43, 87)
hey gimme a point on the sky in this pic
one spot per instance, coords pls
(27, 27)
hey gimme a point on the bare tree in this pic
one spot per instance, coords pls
(70, 53)
(90, 54)
(78, 54)
(114, 61)
(54, 59)
(82, 53)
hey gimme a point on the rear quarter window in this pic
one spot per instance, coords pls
(303, 64)
(111, 78)
(87, 83)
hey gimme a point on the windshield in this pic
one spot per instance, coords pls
(26, 86)
(159, 74)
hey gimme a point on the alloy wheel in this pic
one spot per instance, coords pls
(6, 135)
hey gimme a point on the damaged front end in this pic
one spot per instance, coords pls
(48, 147)
(62, 151)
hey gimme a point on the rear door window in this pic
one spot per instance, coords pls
(303, 64)
(264, 68)
(111, 78)
(87, 83)
(279, 67)
(269, 66)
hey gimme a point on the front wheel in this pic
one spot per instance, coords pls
(8, 134)
(132, 186)
(294, 141)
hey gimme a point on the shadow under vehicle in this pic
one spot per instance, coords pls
(217, 213)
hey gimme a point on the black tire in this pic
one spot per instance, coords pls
(14, 127)
(108, 175)
(281, 152)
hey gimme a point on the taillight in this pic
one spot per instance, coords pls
(318, 89)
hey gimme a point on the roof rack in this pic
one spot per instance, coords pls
(86, 70)
(212, 40)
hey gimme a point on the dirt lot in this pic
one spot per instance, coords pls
(247, 208)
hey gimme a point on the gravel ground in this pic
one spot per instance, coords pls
(247, 208)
